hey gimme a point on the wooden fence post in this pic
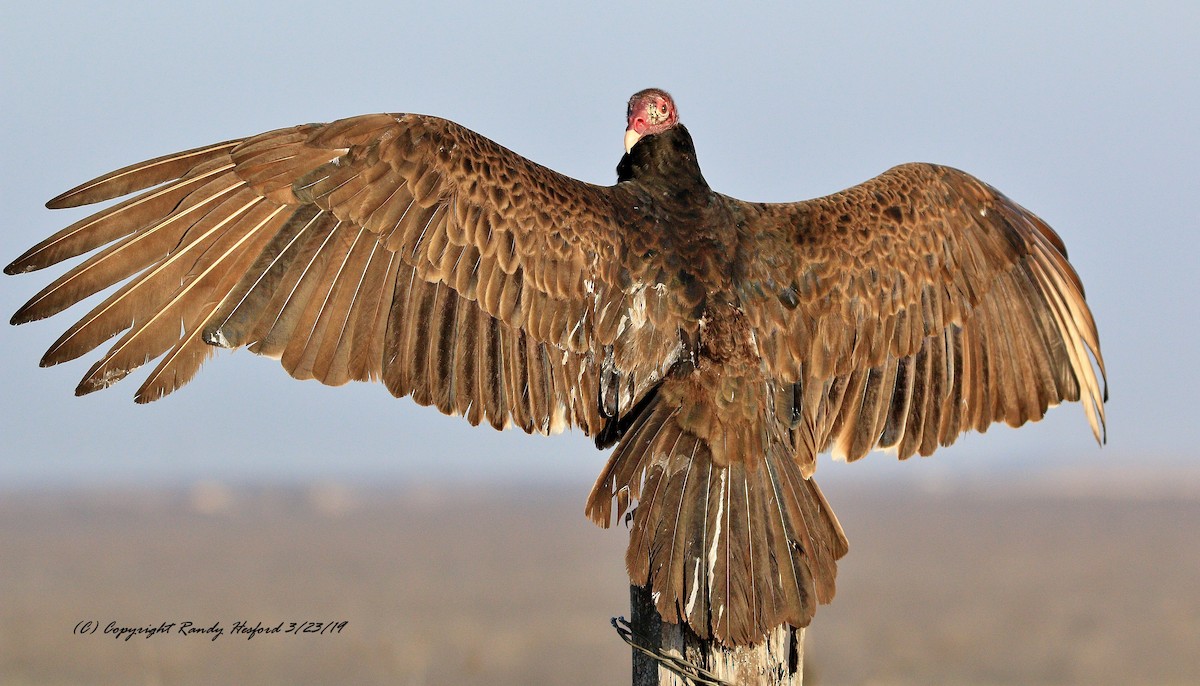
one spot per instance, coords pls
(777, 661)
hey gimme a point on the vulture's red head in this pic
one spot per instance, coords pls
(650, 111)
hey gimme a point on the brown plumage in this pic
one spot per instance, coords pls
(719, 345)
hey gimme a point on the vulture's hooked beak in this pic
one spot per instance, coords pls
(631, 137)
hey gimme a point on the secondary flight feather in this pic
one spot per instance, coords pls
(718, 345)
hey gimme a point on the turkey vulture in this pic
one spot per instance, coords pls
(718, 344)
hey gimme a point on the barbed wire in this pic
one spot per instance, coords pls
(689, 672)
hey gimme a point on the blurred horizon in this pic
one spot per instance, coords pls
(513, 585)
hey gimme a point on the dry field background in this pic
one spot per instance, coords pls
(973, 584)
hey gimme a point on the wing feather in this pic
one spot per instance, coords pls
(138, 297)
(143, 175)
(154, 326)
(125, 218)
(914, 307)
(399, 247)
(183, 361)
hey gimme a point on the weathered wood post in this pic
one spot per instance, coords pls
(777, 661)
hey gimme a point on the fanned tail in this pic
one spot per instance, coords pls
(733, 543)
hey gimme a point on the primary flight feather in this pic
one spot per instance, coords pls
(718, 344)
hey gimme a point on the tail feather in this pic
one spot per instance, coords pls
(734, 547)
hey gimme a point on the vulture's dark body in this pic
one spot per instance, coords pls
(719, 345)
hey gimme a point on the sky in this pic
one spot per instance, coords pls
(1083, 112)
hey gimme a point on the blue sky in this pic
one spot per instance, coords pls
(1084, 113)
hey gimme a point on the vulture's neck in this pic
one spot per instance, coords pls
(664, 161)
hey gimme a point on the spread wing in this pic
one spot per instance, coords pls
(915, 306)
(400, 248)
